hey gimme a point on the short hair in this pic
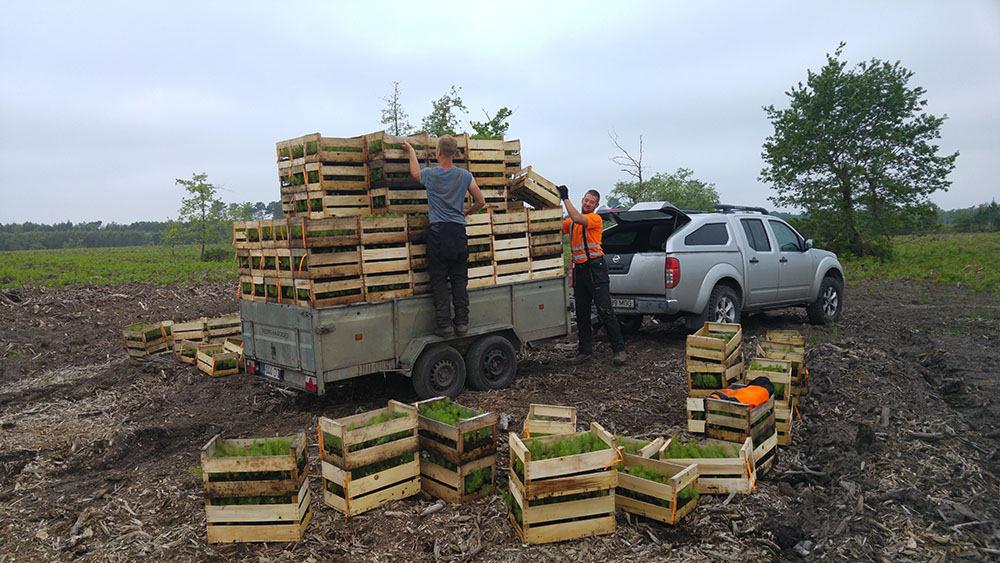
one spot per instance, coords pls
(448, 146)
(596, 194)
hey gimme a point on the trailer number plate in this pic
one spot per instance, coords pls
(623, 303)
(272, 372)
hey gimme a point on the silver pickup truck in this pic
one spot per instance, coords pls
(714, 266)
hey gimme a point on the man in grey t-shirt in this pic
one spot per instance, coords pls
(447, 245)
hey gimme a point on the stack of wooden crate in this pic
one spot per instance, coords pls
(714, 361)
(355, 226)
(457, 462)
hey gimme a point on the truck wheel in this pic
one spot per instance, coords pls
(439, 372)
(629, 324)
(723, 306)
(826, 308)
(491, 363)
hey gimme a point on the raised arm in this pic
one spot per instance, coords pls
(414, 165)
(478, 201)
(576, 216)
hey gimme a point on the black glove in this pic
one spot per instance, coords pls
(563, 193)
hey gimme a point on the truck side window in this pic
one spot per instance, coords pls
(756, 235)
(788, 240)
(711, 234)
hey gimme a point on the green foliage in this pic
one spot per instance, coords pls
(265, 447)
(584, 442)
(855, 150)
(959, 259)
(631, 446)
(333, 445)
(100, 266)
(393, 116)
(649, 474)
(442, 119)
(450, 413)
(494, 127)
(678, 188)
(693, 450)
(370, 469)
(201, 215)
(701, 380)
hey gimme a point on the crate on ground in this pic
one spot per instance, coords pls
(221, 328)
(256, 490)
(234, 344)
(661, 490)
(192, 331)
(792, 337)
(147, 338)
(216, 361)
(642, 448)
(531, 188)
(706, 377)
(731, 470)
(734, 422)
(369, 459)
(715, 343)
(457, 461)
(543, 420)
(779, 372)
(794, 353)
(187, 351)
(566, 497)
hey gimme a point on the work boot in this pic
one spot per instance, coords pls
(619, 359)
(461, 330)
(444, 331)
(580, 359)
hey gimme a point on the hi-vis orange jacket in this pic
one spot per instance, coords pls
(755, 394)
(576, 240)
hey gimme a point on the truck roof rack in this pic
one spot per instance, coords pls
(727, 208)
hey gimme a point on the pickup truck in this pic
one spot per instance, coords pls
(715, 266)
(307, 348)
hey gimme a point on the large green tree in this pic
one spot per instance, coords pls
(442, 119)
(202, 215)
(494, 127)
(855, 151)
(678, 188)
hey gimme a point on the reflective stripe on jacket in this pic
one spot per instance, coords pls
(592, 248)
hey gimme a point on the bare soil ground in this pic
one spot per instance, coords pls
(95, 452)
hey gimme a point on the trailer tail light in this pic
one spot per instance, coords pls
(311, 384)
(671, 273)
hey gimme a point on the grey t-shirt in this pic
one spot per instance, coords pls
(446, 193)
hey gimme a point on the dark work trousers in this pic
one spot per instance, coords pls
(591, 284)
(448, 260)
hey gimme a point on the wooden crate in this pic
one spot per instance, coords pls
(409, 198)
(488, 164)
(512, 157)
(187, 351)
(734, 422)
(562, 480)
(456, 458)
(316, 148)
(792, 337)
(704, 348)
(143, 339)
(727, 373)
(782, 380)
(385, 258)
(783, 421)
(549, 419)
(530, 187)
(511, 257)
(221, 328)
(724, 475)
(383, 146)
(794, 354)
(229, 520)
(192, 331)
(653, 499)
(352, 480)
(645, 448)
(234, 344)
(211, 357)
(766, 454)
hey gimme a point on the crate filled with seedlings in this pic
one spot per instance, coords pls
(148, 338)
(369, 459)
(715, 343)
(661, 490)
(734, 422)
(562, 486)
(256, 490)
(723, 467)
(794, 353)
(457, 450)
(187, 351)
(543, 420)
(779, 373)
(216, 361)
(191, 331)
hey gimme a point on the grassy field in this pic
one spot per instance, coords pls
(961, 259)
(100, 266)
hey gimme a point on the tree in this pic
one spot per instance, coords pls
(393, 116)
(854, 150)
(201, 215)
(630, 165)
(678, 188)
(494, 127)
(442, 120)
(274, 210)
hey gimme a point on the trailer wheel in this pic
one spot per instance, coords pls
(439, 372)
(491, 362)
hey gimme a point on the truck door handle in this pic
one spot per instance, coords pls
(783, 260)
(754, 260)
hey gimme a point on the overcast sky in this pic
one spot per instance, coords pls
(104, 104)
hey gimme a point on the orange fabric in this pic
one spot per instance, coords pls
(594, 229)
(753, 395)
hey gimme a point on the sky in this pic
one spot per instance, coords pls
(103, 105)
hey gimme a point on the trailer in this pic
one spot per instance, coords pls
(308, 348)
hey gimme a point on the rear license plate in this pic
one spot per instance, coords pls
(620, 303)
(272, 372)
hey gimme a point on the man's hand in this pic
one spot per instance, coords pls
(563, 193)
(408, 146)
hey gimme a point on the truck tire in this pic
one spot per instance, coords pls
(826, 308)
(491, 363)
(723, 306)
(630, 324)
(439, 372)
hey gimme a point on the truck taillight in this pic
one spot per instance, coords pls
(671, 273)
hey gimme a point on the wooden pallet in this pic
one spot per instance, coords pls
(721, 476)
(734, 422)
(447, 458)
(654, 499)
(704, 348)
(531, 188)
(727, 373)
(214, 360)
(543, 420)
(285, 521)
(559, 479)
(344, 487)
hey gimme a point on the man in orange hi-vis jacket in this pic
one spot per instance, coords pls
(591, 282)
